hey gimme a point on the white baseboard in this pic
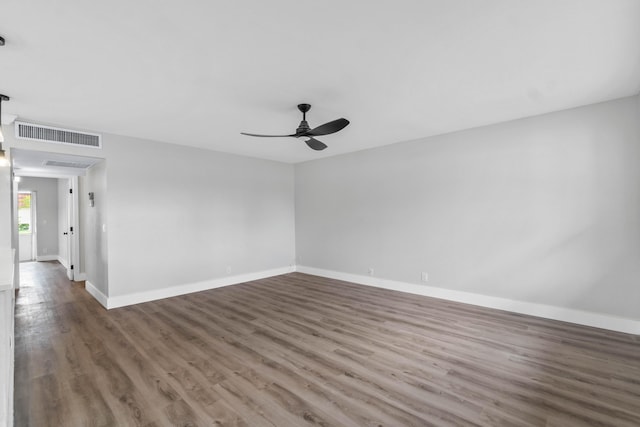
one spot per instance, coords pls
(58, 258)
(604, 321)
(79, 277)
(96, 293)
(62, 261)
(156, 294)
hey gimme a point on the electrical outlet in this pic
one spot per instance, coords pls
(424, 276)
(370, 271)
(228, 269)
(45, 250)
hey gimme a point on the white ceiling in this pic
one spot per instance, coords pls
(39, 163)
(199, 72)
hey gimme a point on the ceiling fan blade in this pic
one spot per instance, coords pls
(266, 136)
(328, 128)
(315, 144)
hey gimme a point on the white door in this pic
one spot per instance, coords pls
(68, 232)
(26, 225)
(72, 231)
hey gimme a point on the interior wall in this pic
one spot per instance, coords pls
(176, 215)
(6, 206)
(82, 215)
(179, 215)
(46, 190)
(544, 210)
(93, 237)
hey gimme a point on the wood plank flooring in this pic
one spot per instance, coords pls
(299, 350)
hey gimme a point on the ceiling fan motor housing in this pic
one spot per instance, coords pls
(304, 126)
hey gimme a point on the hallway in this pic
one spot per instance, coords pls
(44, 342)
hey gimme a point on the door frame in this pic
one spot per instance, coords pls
(74, 183)
(33, 210)
(73, 222)
(73, 215)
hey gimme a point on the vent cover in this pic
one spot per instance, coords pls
(76, 165)
(56, 135)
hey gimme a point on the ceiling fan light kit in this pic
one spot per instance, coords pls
(305, 131)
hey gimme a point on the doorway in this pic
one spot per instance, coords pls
(51, 179)
(26, 226)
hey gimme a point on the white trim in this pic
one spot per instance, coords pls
(74, 237)
(96, 293)
(7, 269)
(7, 335)
(49, 174)
(62, 261)
(78, 277)
(40, 258)
(172, 291)
(604, 321)
(7, 119)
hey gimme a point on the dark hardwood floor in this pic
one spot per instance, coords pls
(299, 350)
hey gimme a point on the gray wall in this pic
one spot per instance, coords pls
(46, 212)
(544, 210)
(93, 241)
(176, 215)
(179, 215)
(7, 238)
(82, 220)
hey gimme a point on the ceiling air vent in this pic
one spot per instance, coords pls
(76, 165)
(56, 135)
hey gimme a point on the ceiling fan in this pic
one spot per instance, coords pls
(304, 131)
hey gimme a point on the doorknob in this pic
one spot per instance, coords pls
(65, 233)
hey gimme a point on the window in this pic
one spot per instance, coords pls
(24, 213)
